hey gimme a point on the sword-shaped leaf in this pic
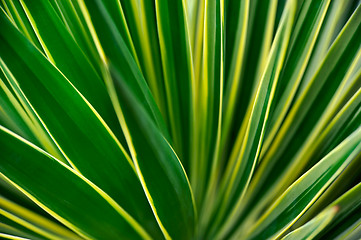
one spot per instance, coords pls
(159, 169)
(306, 190)
(91, 148)
(240, 171)
(64, 193)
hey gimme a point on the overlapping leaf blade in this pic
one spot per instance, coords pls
(62, 50)
(81, 207)
(12, 115)
(208, 99)
(92, 148)
(312, 228)
(237, 17)
(240, 170)
(141, 19)
(20, 19)
(247, 95)
(260, 31)
(305, 33)
(348, 215)
(110, 45)
(300, 195)
(161, 173)
(178, 74)
(297, 127)
(27, 221)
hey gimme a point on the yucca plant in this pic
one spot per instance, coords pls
(180, 119)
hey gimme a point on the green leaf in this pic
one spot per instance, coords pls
(348, 216)
(28, 221)
(313, 227)
(140, 16)
(354, 233)
(326, 133)
(237, 14)
(257, 102)
(193, 8)
(349, 229)
(338, 60)
(260, 33)
(12, 115)
(196, 25)
(70, 13)
(19, 18)
(306, 190)
(160, 171)
(115, 10)
(92, 148)
(304, 35)
(111, 47)
(178, 74)
(83, 207)
(240, 170)
(9, 232)
(208, 108)
(26, 114)
(61, 49)
(297, 126)
(331, 27)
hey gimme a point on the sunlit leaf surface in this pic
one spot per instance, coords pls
(180, 119)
